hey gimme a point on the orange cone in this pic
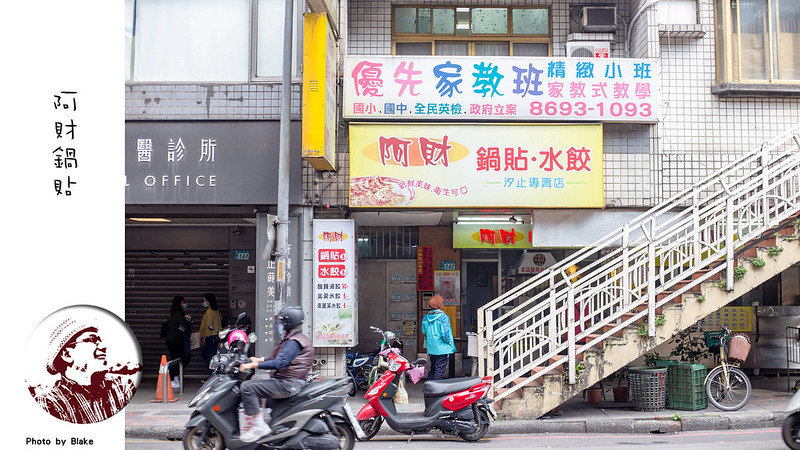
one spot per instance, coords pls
(160, 386)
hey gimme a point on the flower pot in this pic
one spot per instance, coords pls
(594, 395)
(620, 394)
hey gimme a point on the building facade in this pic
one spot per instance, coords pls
(722, 79)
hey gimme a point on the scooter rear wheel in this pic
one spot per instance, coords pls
(213, 440)
(481, 427)
(370, 427)
(791, 428)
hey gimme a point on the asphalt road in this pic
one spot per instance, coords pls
(762, 439)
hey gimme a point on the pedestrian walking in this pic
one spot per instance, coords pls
(439, 337)
(210, 326)
(177, 339)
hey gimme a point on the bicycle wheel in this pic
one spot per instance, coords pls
(728, 398)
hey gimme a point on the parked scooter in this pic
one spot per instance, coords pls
(317, 417)
(358, 368)
(791, 425)
(455, 406)
(390, 340)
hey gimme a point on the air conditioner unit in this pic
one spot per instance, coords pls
(599, 19)
(588, 49)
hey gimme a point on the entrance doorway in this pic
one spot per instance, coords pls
(479, 286)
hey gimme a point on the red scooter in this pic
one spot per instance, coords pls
(455, 406)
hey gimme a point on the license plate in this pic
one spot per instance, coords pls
(352, 418)
(492, 412)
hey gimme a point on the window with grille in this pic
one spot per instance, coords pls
(465, 31)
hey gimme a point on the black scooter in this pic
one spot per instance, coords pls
(317, 417)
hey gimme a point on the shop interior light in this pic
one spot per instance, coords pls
(483, 219)
(150, 219)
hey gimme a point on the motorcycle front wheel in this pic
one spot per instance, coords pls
(370, 427)
(481, 427)
(213, 440)
(791, 431)
(346, 434)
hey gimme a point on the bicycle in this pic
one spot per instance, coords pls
(727, 386)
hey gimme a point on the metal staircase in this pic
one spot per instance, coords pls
(562, 331)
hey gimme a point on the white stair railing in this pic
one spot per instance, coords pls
(667, 250)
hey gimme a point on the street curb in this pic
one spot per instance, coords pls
(507, 427)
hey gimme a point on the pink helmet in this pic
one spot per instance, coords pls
(236, 335)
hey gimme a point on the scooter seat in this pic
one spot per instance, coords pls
(450, 386)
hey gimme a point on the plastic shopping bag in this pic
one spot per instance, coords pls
(401, 397)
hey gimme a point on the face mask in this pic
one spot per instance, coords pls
(281, 329)
(205, 304)
(185, 306)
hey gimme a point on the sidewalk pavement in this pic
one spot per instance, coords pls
(146, 420)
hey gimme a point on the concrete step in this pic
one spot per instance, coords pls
(520, 380)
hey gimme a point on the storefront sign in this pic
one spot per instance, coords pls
(535, 262)
(469, 235)
(207, 162)
(449, 88)
(335, 303)
(476, 165)
(319, 92)
(424, 268)
(447, 264)
(735, 318)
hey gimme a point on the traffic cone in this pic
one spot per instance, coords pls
(160, 386)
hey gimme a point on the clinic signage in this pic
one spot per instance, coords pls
(476, 165)
(207, 162)
(335, 303)
(451, 88)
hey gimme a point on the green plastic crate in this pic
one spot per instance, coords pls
(686, 385)
(665, 362)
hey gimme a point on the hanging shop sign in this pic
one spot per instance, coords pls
(469, 235)
(319, 92)
(335, 302)
(476, 165)
(535, 262)
(208, 162)
(501, 88)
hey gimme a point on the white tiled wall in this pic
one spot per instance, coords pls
(643, 164)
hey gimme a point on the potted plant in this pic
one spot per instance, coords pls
(594, 394)
(690, 346)
(620, 391)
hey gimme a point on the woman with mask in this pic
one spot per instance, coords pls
(210, 325)
(179, 323)
(439, 337)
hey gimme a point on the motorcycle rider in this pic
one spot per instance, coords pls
(291, 362)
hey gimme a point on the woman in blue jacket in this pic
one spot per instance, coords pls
(439, 337)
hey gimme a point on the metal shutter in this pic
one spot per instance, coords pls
(152, 278)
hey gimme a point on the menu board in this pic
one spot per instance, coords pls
(335, 303)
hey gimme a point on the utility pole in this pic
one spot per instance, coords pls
(282, 250)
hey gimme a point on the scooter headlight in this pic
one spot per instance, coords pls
(394, 366)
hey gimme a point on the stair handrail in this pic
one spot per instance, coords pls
(562, 287)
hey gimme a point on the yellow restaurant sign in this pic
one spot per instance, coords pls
(476, 165)
(319, 93)
(517, 235)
